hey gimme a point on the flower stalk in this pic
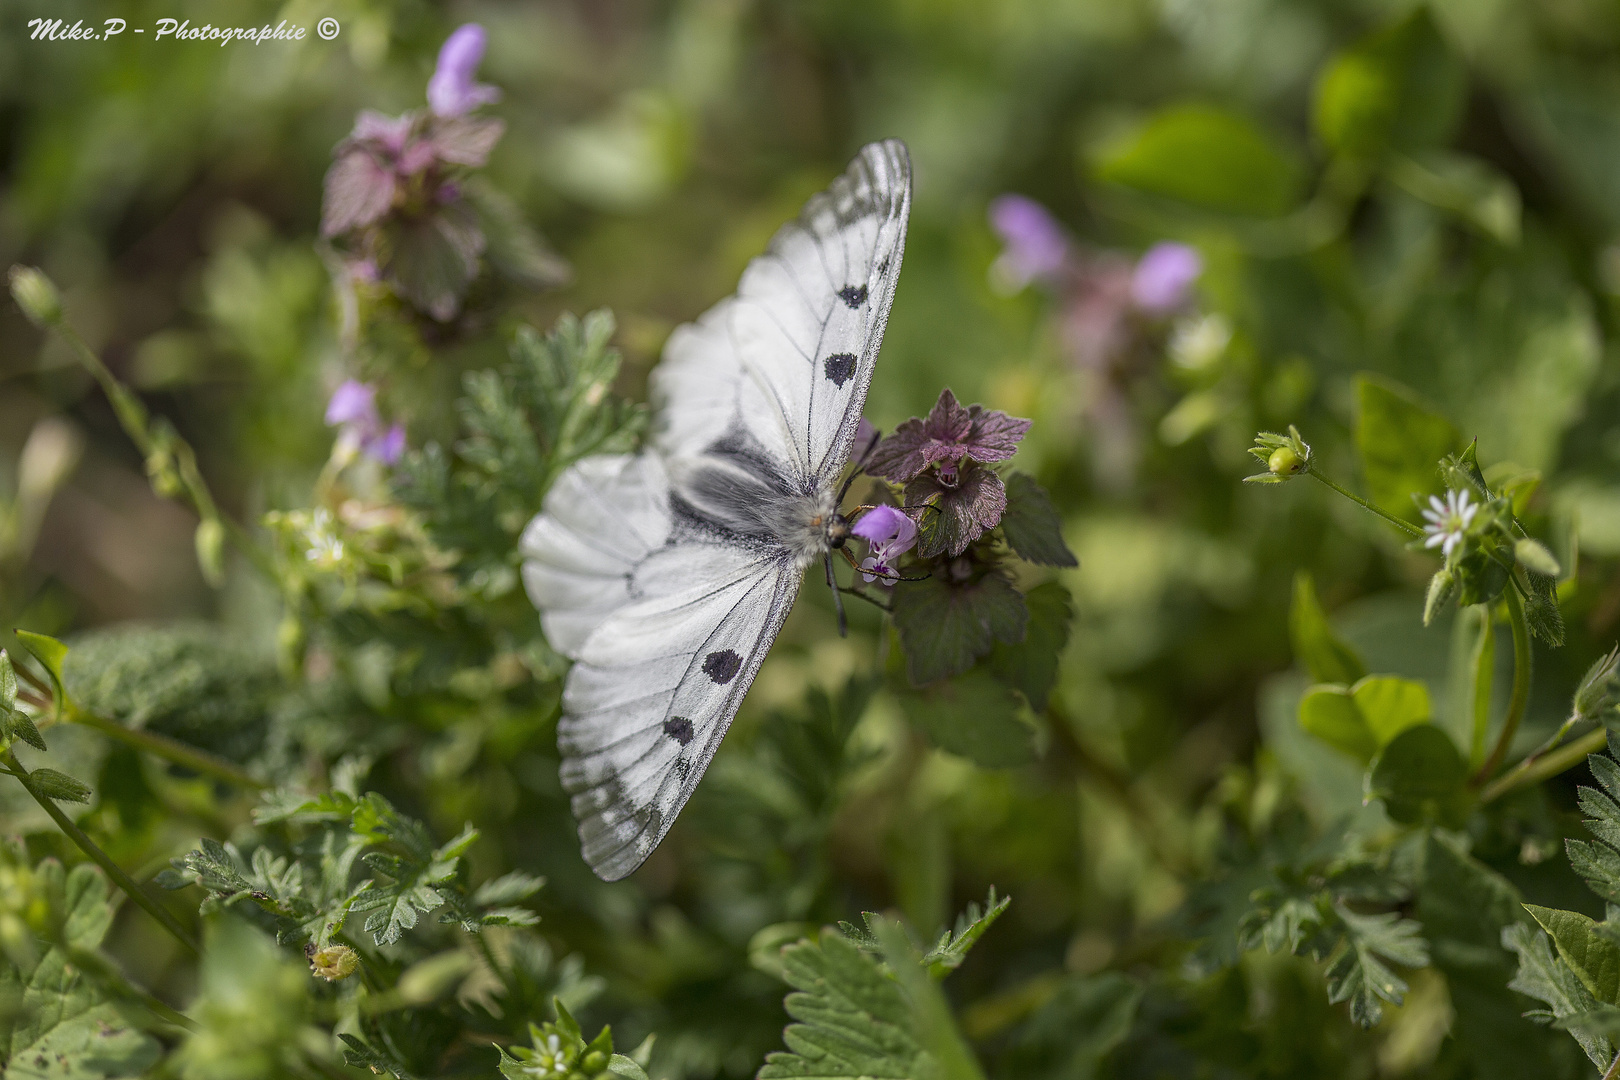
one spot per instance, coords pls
(1520, 697)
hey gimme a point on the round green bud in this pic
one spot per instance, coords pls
(1284, 462)
(334, 962)
(593, 1062)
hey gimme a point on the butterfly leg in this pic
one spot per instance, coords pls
(838, 601)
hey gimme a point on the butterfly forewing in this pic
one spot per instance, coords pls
(654, 573)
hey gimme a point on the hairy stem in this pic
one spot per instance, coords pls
(170, 750)
(99, 857)
(1405, 526)
(1521, 686)
(133, 418)
(1614, 1069)
(1535, 770)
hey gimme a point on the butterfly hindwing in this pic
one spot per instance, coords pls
(788, 359)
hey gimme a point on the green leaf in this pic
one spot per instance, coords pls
(1032, 525)
(67, 1028)
(951, 949)
(852, 1019)
(973, 715)
(1207, 157)
(51, 654)
(1362, 719)
(59, 785)
(625, 1067)
(1401, 443)
(1070, 1035)
(1420, 777)
(1400, 86)
(1390, 705)
(14, 723)
(946, 626)
(1592, 956)
(418, 874)
(1031, 666)
(1325, 656)
(1359, 974)
(1473, 189)
(1546, 978)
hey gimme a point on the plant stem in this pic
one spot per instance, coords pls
(119, 983)
(1533, 771)
(1614, 1069)
(1480, 690)
(99, 857)
(133, 418)
(1405, 526)
(171, 750)
(1521, 686)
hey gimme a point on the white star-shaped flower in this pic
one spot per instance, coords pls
(1448, 520)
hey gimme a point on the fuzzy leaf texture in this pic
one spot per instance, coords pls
(1546, 978)
(68, 1027)
(1598, 860)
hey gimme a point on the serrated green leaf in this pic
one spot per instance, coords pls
(974, 715)
(59, 785)
(67, 1027)
(1593, 957)
(1032, 525)
(1325, 656)
(951, 949)
(851, 1018)
(945, 627)
(1545, 977)
(1359, 974)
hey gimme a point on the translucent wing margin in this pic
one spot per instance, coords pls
(787, 361)
(667, 627)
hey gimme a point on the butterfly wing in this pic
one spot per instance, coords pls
(667, 628)
(783, 366)
(668, 609)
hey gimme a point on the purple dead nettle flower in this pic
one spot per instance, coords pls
(889, 533)
(353, 408)
(452, 91)
(1164, 276)
(1036, 247)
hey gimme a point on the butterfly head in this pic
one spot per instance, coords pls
(838, 531)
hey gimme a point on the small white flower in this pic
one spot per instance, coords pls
(1448, 520)
(325, 547)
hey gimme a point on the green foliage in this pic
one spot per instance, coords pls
(1420, 777)
(1400, 87)
(14, 723)
(1207, 157)
(1400, 440)
(63, 1021)
(1549, 980)
(1364, 718)
(1032, 525)
(947, 623)
(1598, 861)
(948, 952)
(1328, 659)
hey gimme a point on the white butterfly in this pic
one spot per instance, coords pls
(666, 575)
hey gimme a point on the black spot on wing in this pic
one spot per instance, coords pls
(679, 728)
(839, 368)
(853, 295)
(722, 666)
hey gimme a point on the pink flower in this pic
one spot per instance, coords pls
(1036, 247)
(889, 534)
(1164, 277)
(353, 407)
(451, 91)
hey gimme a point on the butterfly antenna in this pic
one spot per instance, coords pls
(838, 601)
(860, 464)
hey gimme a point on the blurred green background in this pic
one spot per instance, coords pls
(1429, 191)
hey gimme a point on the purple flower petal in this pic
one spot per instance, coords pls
(1036, 247)
(886, 525)
(451, 91)
(388, 133)
(387, 447)
(354, 402)
(1164, 277)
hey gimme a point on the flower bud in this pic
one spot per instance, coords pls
(1284, 461)
(1533, 555)
(334, 962)
(1441, 587)
(37, 295)
(593, 1062)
